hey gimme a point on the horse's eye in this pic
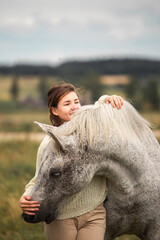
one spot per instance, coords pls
(55, 174)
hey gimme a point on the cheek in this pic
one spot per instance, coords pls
(65, 114)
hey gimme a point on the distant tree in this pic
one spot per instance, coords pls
(43, 88)
(151, 94)
(91, 82)
(132, 87)
(134, 92)
(14, 90)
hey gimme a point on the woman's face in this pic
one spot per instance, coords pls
(67, 106)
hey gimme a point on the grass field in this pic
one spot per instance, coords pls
(17, 168)
(27, 85)
(22, 120)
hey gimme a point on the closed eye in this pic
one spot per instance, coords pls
(55, 174)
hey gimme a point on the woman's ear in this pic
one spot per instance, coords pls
(54, 111)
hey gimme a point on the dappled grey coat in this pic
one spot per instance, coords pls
(118, 144)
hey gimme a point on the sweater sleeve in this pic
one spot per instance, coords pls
(31, 183)
(101, 100)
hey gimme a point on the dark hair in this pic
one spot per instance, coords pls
(55, 94)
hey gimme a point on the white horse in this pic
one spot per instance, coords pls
(117, 144)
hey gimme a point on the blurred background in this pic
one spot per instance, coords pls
(101, 47)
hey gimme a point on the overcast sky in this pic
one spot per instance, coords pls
(52, 31)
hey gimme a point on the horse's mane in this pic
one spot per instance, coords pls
(103, 119)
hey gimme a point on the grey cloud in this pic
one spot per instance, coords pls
(84, 26)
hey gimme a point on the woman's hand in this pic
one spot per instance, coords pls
(29, 207)
(116, 101)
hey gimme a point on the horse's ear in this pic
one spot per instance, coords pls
(50, 130)
(46, 127)
(57, 140)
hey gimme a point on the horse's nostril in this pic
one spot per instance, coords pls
(28, 218)
(31, 218)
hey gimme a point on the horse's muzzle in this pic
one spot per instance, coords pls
(36, 218)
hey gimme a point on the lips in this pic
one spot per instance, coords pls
(71, 113)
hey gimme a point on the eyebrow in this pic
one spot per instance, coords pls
(70, 100)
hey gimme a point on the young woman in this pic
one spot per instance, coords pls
(83, 216)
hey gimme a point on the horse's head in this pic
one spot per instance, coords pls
(60, 174)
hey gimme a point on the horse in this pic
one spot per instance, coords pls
(102, 140)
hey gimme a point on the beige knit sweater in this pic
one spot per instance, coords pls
(86, 200)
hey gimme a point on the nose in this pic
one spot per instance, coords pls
(74, 106)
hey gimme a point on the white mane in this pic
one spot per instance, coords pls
(103, 119)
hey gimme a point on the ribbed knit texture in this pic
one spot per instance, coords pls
(89, 198)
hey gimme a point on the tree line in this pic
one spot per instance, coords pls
(81, 68)
(143, 87)
(144, 92)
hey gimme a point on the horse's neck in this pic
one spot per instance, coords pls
(152, 147)
(123, 165)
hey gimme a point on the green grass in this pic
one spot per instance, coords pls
(17, 168)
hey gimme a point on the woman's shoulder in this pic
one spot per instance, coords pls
(42, 146)
(44, 143)
(45, 140)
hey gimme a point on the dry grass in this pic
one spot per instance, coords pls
(28, 86)
(22, 121)
(153, 117)
(30, 117)
(5, 84)
(113, 80)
